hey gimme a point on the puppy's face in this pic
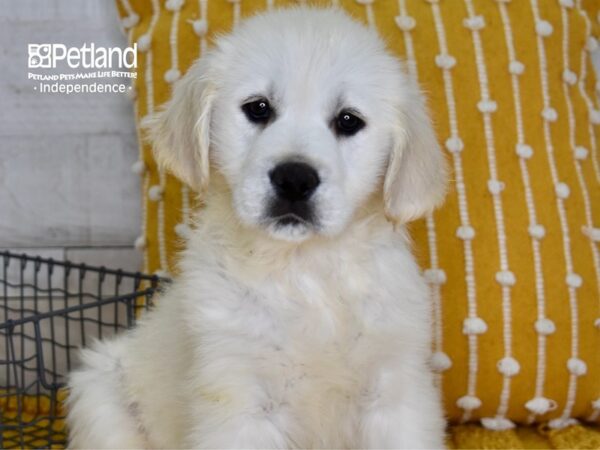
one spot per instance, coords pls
(305, 115)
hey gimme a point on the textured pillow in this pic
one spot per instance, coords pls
(513, 257)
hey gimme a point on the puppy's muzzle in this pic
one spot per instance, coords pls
(294, 184)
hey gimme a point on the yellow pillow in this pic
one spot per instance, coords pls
(513, 257)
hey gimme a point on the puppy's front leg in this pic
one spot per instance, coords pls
(403, 410)
(231, 408)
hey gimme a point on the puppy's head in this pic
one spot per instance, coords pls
(305, 115)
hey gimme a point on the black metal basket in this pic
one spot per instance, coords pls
(48, 309)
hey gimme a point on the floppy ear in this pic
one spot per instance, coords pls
(415, 180)
(180, 132)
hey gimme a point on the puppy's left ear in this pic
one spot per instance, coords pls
(415, 180)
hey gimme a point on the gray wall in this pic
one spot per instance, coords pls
(66, 189)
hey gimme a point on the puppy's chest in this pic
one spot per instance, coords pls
(315, 335)
(325, 338)
(325, 316)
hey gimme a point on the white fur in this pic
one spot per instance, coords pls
(283, 337)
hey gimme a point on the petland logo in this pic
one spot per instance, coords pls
(48, 56)
(88, 69)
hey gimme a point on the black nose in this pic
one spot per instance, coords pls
(294, 181)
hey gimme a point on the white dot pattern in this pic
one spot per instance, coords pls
(504, 276)
(472, 325)
(434, 275)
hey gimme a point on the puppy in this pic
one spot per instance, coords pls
(299, 318)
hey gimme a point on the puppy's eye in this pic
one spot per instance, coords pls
(258, 111)
(347, 123)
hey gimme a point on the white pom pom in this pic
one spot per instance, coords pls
(592, 233)
(540, 405)
(172, 75)
(183, 230)
(567, 3)
(468, 402)
(574, 280)
(581, 152)
(543, 28)
(155, 193)
(474, 23)
(435, 276)
(140, 243)
(560, 423)
(595, 116)
(597, 323)
(549, 114)
(508, 366)
(200, 27)
(596, 404)
(474, 325)
(569, 77)
(138, 167)
(454, 144)
(487, 106)
(524, 151)
(495, 186)
(465, 232)
(130, 21)
(516, 67)
(144, 42)
(131, 93)
(544, 326)
(445, 61)
(591, 44)
(174, 5)
(440, 362)
(537, 231)
(506, 278)
(576, 366)
(562, 190)
(405, 23)
(497, 423)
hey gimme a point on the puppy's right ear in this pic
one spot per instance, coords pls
(180, 132)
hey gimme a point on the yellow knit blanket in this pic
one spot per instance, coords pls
(40, 431)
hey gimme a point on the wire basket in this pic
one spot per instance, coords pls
(48, 309)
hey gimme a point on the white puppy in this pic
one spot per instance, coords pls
(300, 319)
